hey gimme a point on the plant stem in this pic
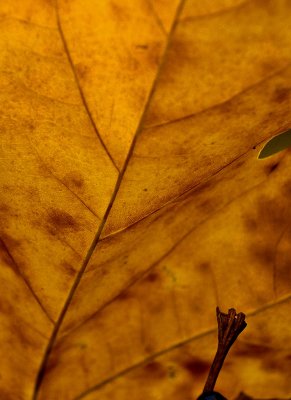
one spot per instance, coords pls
(229, 327)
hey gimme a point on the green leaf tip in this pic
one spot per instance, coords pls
(277, 143)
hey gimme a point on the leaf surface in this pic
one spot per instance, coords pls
(133, 201)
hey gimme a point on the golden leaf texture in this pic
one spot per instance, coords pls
(133, 201)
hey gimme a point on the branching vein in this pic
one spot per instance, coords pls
(24, 278)
(218, 105)
(172, 348)
(84, 101)
(76, 283)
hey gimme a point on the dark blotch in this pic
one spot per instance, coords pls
(239, 164)
(77, 182)
(155, 370)
(119, 12)
(74, 179)
(286, 188)
(196, 366)
(62, 220)
(31, 126)
(6, 395)
(152, 277)
(204, 266)
(103, 271)
(142, 46)
(263, 254)
(201, 188)
(271, 168)
(252, 350)
(52, 364)
(123, 296)
(69, 270)
(272, 364)
(206, 205)
(5, 209)
(82, 70)
(281, 95)
(270, 212)
(172, 372)
(250, 224)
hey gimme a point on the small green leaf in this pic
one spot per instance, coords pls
(276, 144)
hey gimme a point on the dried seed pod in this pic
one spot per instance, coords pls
(229, 327)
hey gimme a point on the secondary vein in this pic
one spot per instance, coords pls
(84, 101)
(76, 283)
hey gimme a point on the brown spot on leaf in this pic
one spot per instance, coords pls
(283, 274)
(204, 266)
(119, 12)
(69, 270)
(62, 220)
(155, 370)
(272, 364)
(271, 168)
(286, 189)
(103, 270)
(32, 193)
(123, 296)
(281, 95)
(268, 66)
(263, 254)
(153, 55)
(201, 188)
(179, 50)
(250, 224)
(206, 205)
(252, 350)
(172, 372)
(82, 70)
(196, 366)
(239, 164)
(5, 209)
(53, 362)
(142, 46)
(152, 277)
(5, 395)
(271, 213)
(77, 182)
(156, 306)
(74, 179)
(31, 126)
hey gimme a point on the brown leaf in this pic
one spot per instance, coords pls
(132, 199)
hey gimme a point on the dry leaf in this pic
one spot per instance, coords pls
(133, 201)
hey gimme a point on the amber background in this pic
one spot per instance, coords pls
(133, 201)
